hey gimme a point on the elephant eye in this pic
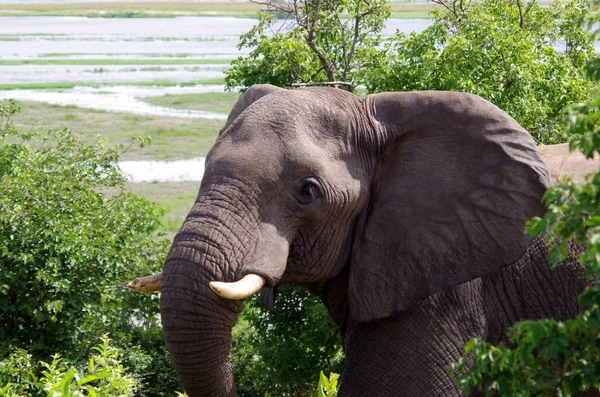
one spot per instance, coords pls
(307, 191)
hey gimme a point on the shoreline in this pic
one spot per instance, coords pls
(173, 9)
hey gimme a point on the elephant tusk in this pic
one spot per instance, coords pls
(146, 284)
(247, 286)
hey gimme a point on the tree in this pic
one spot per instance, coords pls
(70, 233)
(527, 59)
(320, 41)
(549, 357)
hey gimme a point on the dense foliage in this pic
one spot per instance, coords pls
(280, 353)
(320, 40)
(526, 58)
(70, 234)
(549, 357)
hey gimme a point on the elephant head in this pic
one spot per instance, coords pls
(373, 203)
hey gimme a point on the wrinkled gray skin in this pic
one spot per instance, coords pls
(404, 212)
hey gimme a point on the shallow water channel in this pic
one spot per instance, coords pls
(164, 171)
(122, 99)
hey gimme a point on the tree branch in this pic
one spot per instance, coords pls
(520, 13)
(310, 40)
(348, 59)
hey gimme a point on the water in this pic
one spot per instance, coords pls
(138, 38)
(182, 27)
(199, 37)
(164, 171)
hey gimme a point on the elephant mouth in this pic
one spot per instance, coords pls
(241, 289)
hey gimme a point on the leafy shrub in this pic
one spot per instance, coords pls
(320, 41)
(280, 353)
(102, 376)
(69, 234)
(327, 387)
(17, 375)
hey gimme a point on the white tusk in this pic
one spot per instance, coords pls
(247, 286)
(146, 284)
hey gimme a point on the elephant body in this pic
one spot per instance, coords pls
(404, 212)
(425, 340)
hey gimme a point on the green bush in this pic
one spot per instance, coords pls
(18, 375)
(327, 387)
(70, 237)
(69, 234)
(323, 40)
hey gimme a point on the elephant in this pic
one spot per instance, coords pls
(404, 212)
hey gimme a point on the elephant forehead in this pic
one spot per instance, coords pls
(243, 156)
(271, 155)
(303, 111)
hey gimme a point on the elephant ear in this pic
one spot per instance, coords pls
(455, 181)
(251, 95)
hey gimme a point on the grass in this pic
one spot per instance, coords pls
(133, 9)
(400, 9)
(66, 85)
(175, 197)
(407, 10)
(99, 62)
(220, 102)
(172, 138)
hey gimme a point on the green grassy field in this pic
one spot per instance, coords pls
(101, 62)
(65, 85)
(220, 102)
(407, 10)
(400, 9)
(133, 9)
(175, 197)
(172, 138)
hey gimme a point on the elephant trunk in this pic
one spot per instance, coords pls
(220, 256)
(196, 322)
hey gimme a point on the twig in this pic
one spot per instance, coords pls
(333, 83)
(520, 13)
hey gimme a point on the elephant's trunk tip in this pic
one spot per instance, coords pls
(151, 283)
(242, 289)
